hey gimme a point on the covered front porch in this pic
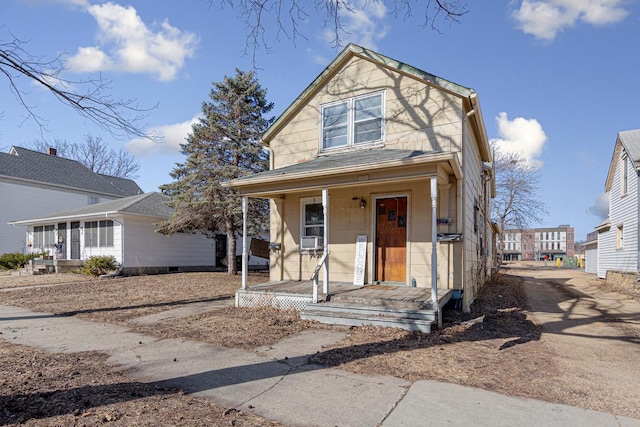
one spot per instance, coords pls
(399, 306)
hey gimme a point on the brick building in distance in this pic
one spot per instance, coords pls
(536, 243)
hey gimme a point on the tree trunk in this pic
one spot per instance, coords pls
(232, 268)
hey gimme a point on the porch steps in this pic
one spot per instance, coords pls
(352, 314)
(379, 299)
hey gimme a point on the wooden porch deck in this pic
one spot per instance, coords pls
(297, 295)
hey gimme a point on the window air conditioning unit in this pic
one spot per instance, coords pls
(310, 243)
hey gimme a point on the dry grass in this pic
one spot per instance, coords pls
(43, 389)
(496, 347)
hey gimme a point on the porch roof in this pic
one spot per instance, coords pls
(361, 167)
(151, 204)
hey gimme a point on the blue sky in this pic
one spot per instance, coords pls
(557, 79)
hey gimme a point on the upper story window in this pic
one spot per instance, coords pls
(352, 122)
(625, 176)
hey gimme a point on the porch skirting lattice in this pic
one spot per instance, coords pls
(282, 301)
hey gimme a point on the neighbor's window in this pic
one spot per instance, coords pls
(619, 237)
(38, 236)
(625, 176)
(98, 234)
(106, 233)
(312, 217)
(352, 122)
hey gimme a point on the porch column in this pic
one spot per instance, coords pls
(434, 244)
(325, 240)
(245, 244)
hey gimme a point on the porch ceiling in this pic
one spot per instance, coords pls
(357, 168)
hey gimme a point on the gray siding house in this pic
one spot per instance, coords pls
(618, 235)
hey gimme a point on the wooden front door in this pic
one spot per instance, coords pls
(391, 239)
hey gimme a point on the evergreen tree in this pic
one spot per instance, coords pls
(223, 145)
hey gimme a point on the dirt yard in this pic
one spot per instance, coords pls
(513, 342)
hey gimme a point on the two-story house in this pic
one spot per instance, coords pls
(34, 183)
(618, 241)
(381, 174)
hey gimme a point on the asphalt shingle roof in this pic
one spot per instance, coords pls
(631, 141)
(341, 160)
(30, 165)
(148, 204)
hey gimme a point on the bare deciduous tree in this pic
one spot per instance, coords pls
(517, 203)
(94, 154)
(88, 98)
(287, 16)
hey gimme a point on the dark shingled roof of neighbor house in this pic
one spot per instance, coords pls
(29, 165)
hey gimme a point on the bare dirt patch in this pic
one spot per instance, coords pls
(43, 389)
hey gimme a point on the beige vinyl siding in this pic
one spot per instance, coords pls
(347, 220)
(473, 190)
(417, 116)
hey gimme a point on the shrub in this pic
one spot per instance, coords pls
(99, 265)
(10, 261)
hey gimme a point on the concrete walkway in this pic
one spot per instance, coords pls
(282, 385)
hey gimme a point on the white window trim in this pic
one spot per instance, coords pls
(350, 124)
(620, 237)
(304, 201)
(624, 178)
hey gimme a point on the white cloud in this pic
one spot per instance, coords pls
(364, 24)
(544, 19)
(600, 206)
(170, 135)
(126, 43)
(523, 136)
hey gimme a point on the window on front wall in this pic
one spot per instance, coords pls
(312, 218)
(619, 237)
(98, 234)
(352, 122)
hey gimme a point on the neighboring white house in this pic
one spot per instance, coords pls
(33, 183)
(618, 235)
(124, 228)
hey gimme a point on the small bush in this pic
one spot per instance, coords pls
(10, 261)
(99, 265)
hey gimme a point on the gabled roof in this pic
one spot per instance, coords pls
(31, 166)
(351, 51)
(148, 204)
(629, 141)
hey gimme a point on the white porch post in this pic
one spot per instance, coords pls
(325, 240)
(434, 244)
(245, 244)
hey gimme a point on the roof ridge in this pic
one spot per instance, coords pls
(136, 199)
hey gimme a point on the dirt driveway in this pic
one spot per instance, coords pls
(595, 334)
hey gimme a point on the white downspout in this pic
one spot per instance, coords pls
(434, 246)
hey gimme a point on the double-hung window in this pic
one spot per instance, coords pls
(352, 122)
(312, 218)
